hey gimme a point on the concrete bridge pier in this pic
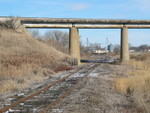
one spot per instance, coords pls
(74, 43)
(124, 54)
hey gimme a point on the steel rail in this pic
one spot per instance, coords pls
(66, 93)
(4, 109)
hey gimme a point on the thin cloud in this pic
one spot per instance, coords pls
(79, 6)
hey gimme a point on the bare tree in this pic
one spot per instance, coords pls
(35, 33)
(95, 46)
(59, 36)
(117, 49)
(143, 47)
(58, 39)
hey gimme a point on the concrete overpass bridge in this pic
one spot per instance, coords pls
(74, 24)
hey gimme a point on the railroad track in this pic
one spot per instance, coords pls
(42, 100)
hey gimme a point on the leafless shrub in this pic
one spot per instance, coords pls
(117, 49)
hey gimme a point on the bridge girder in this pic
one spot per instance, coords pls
(31, 20)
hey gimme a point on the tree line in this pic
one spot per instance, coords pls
(60, 40)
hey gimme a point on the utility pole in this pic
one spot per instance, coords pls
(87, 42)
(107, 41)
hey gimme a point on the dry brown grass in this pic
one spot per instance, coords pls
(138, 79)
(137, 82)
(24, 60)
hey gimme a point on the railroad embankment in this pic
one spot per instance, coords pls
(25, 60)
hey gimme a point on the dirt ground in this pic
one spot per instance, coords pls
(97, 94)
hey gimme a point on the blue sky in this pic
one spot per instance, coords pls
(100, 9)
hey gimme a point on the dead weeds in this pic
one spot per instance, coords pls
(25, 60)
(137, 81)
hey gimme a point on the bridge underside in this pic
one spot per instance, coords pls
(87, 26)
(75, 24)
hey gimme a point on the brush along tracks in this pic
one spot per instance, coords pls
(44, 99)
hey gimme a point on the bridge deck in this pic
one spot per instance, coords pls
(29, 20)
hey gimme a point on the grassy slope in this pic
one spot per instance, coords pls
(23, 58)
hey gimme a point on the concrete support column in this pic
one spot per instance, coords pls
(74, 44)
(124, 54)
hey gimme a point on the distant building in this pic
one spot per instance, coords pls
(110, 48)
(100, 51)
(131, 50)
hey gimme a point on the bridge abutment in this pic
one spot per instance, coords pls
(124, 53)
(74, 43)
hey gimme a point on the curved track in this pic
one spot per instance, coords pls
(44, 99)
